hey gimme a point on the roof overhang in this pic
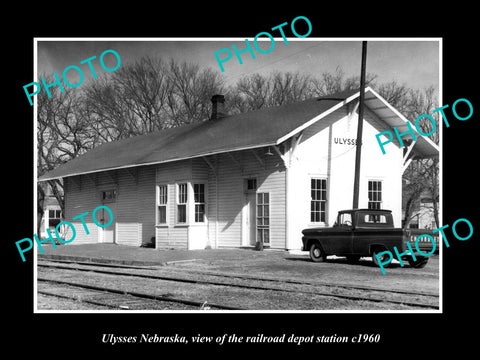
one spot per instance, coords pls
(319, 117)
(423, 147)
(256, 146)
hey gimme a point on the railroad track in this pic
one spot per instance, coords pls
(415, 300)
(120, 299)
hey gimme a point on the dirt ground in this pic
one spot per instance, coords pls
(267, 264)
(334, 270)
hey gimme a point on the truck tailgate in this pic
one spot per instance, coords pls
(425, 244)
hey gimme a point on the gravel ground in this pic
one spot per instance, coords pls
(45, 302)
(335, 270)
(246, 262)
(308, 296)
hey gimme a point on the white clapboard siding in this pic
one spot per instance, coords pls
(385, 167)
(274, 183)
(81, 197)
(173, 172)
(320, 155)
(271, 179)
(212, 195)
(134, 208)
(231, 195)
(146, 203)
(200, 169)
(126, 209)
(230, 203)
(172, 236)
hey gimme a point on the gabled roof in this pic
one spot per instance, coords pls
(264, 127)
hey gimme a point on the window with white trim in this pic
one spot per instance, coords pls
(54, 218)
(318, 200)
(263, 218)
(374, 194)
(162, 202)
(182, 198)
(374, 198)
(199, 199)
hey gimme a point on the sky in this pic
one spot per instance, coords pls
(413, 62)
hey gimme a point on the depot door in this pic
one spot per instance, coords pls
(105, 216)
(109, 231)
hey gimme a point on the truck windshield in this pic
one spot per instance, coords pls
(345, 219)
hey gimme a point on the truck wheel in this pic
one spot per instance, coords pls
(376, 251)
(316, 253)
(419, 263)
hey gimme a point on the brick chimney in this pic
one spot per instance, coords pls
(218, 107)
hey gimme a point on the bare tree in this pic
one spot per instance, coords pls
(189, 92)
(150, 95)
(62, 134)
(397, 95)
(289, 87)
(256, 91)
(130, 102)
(422, 175)
(330, 83)
(251, 92)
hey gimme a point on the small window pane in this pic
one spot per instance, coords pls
(182, 214)
(199, 192)
(251, 184)
(162, 195)
(162, 214)
(200, 213)
(182, 193)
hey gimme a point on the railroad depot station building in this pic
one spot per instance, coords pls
(234, 180)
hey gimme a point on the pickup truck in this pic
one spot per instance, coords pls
(365, 232)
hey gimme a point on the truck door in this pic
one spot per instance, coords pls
(343, 234)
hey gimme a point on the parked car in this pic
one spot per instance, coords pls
(365, 232)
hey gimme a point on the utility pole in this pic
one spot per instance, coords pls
(358, 153)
